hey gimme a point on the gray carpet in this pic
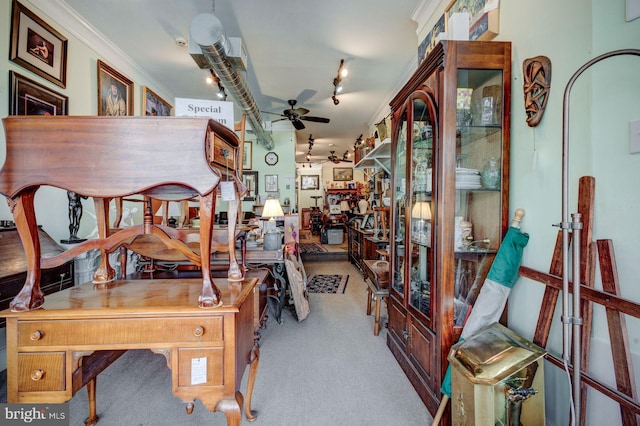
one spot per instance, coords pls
(326, 370)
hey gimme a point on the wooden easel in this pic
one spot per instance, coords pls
(616, 307)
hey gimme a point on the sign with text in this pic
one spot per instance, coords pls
(220, 111)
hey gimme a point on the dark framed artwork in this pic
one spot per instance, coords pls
(30, 98)
(310, 182)
(250, 180)
(115, 92)
(37, 46)
(154, 105)
(342, 173)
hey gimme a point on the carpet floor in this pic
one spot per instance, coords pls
(322, 283)
(312, 248)
(326, 370)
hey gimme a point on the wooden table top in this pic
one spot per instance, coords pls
(137, 298)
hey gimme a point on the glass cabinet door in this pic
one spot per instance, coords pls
(420, 206)
(399, 201)
(478, 209)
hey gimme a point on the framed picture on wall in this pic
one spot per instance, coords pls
(271, 183)
(342, 173)
(30, 98)
(37, 46)
(310, 182)
(153, 104)
(115, 92)
(246, 156)
(250, 180)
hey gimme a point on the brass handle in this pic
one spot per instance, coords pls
(405, 334)
(199, 331)
(37, 335)
(37, 375)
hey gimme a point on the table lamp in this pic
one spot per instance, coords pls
(344, 206)
(272, 238)
(422, 211)
(169, 216)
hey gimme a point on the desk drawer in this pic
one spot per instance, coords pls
(120, 331)
(41, 372)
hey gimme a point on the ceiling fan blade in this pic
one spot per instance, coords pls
(299, 125)
(315, 119)
(301, 111)
(272, 113)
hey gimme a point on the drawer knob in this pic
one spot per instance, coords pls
(37, 375)
(37, 335)
(199, 331)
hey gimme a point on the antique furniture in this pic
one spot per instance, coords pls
(447, 217)
(306, 218)
(107, 155)
(163, 158)
(376, 276)
(206, 349)
(13, 269)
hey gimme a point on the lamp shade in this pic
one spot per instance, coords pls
(421, 210)
(272, 208)
(344, 206)
(174, 209)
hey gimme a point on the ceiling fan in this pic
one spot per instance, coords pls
(337, 160)
(297, 115)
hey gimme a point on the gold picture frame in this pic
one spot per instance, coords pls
(115, 92)
(154, 105)
(37, 46)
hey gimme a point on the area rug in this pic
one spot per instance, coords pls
(327, 283)
(312, 248)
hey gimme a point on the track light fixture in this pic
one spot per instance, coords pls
(337, 82)
(357, 142)
(346, 155)
(213, 79)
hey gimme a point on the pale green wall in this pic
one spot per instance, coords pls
(603, 102)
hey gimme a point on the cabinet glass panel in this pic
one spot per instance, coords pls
(399, 203)
(420, 207)
(478, 207)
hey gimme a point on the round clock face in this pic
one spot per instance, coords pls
(271, 158)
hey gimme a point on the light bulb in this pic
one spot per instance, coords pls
(344, 72)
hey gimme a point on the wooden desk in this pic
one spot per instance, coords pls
(206, 349)
(377, 279)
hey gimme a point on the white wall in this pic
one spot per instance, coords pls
(603, 102)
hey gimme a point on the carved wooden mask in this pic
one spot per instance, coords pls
(537, 84)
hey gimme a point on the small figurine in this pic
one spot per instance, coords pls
(75, 214)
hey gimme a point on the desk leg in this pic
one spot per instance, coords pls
(91, 395)
(369, 294)
(253, 372)
(231, 409)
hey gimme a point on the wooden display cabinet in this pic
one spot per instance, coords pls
(448, 216)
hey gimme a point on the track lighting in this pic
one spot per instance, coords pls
(337, 86)
(212, 78)
(346, 155)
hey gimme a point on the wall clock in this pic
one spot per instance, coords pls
(271, 158)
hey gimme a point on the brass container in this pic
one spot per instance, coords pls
(497, 379)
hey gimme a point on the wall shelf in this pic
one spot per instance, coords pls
(378, 158)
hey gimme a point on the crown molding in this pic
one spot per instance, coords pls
(423, 12)
(73, 23)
